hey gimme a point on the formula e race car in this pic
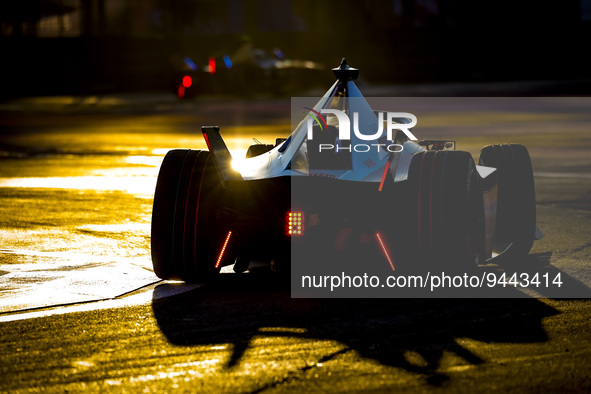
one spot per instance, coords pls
(346, 175)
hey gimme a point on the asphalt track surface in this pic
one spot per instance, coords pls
(80, 309)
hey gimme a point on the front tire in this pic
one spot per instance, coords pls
(516, 198)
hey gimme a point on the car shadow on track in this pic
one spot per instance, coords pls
(237, 308)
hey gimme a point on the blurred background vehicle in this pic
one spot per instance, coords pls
(246, 71)
(65, 47)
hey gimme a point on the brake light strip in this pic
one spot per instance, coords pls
(383, 246)
(217, 264)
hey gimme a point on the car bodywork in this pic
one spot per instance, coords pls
(287, 194)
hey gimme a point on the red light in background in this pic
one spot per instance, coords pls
(181, 91)
(295, 223)
(212, 65)
(187, 81)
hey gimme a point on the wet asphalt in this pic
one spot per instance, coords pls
(80, 309)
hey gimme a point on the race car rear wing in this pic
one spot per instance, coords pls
(217, 147)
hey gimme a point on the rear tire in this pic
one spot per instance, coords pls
(187, 233)
(446, 210)
(516, 197)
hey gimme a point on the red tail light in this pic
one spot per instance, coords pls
(294, 223)
(385, 250)
(207, 141)
(384, 176)
(217, 263)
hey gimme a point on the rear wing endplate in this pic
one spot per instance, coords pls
(217, 147)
